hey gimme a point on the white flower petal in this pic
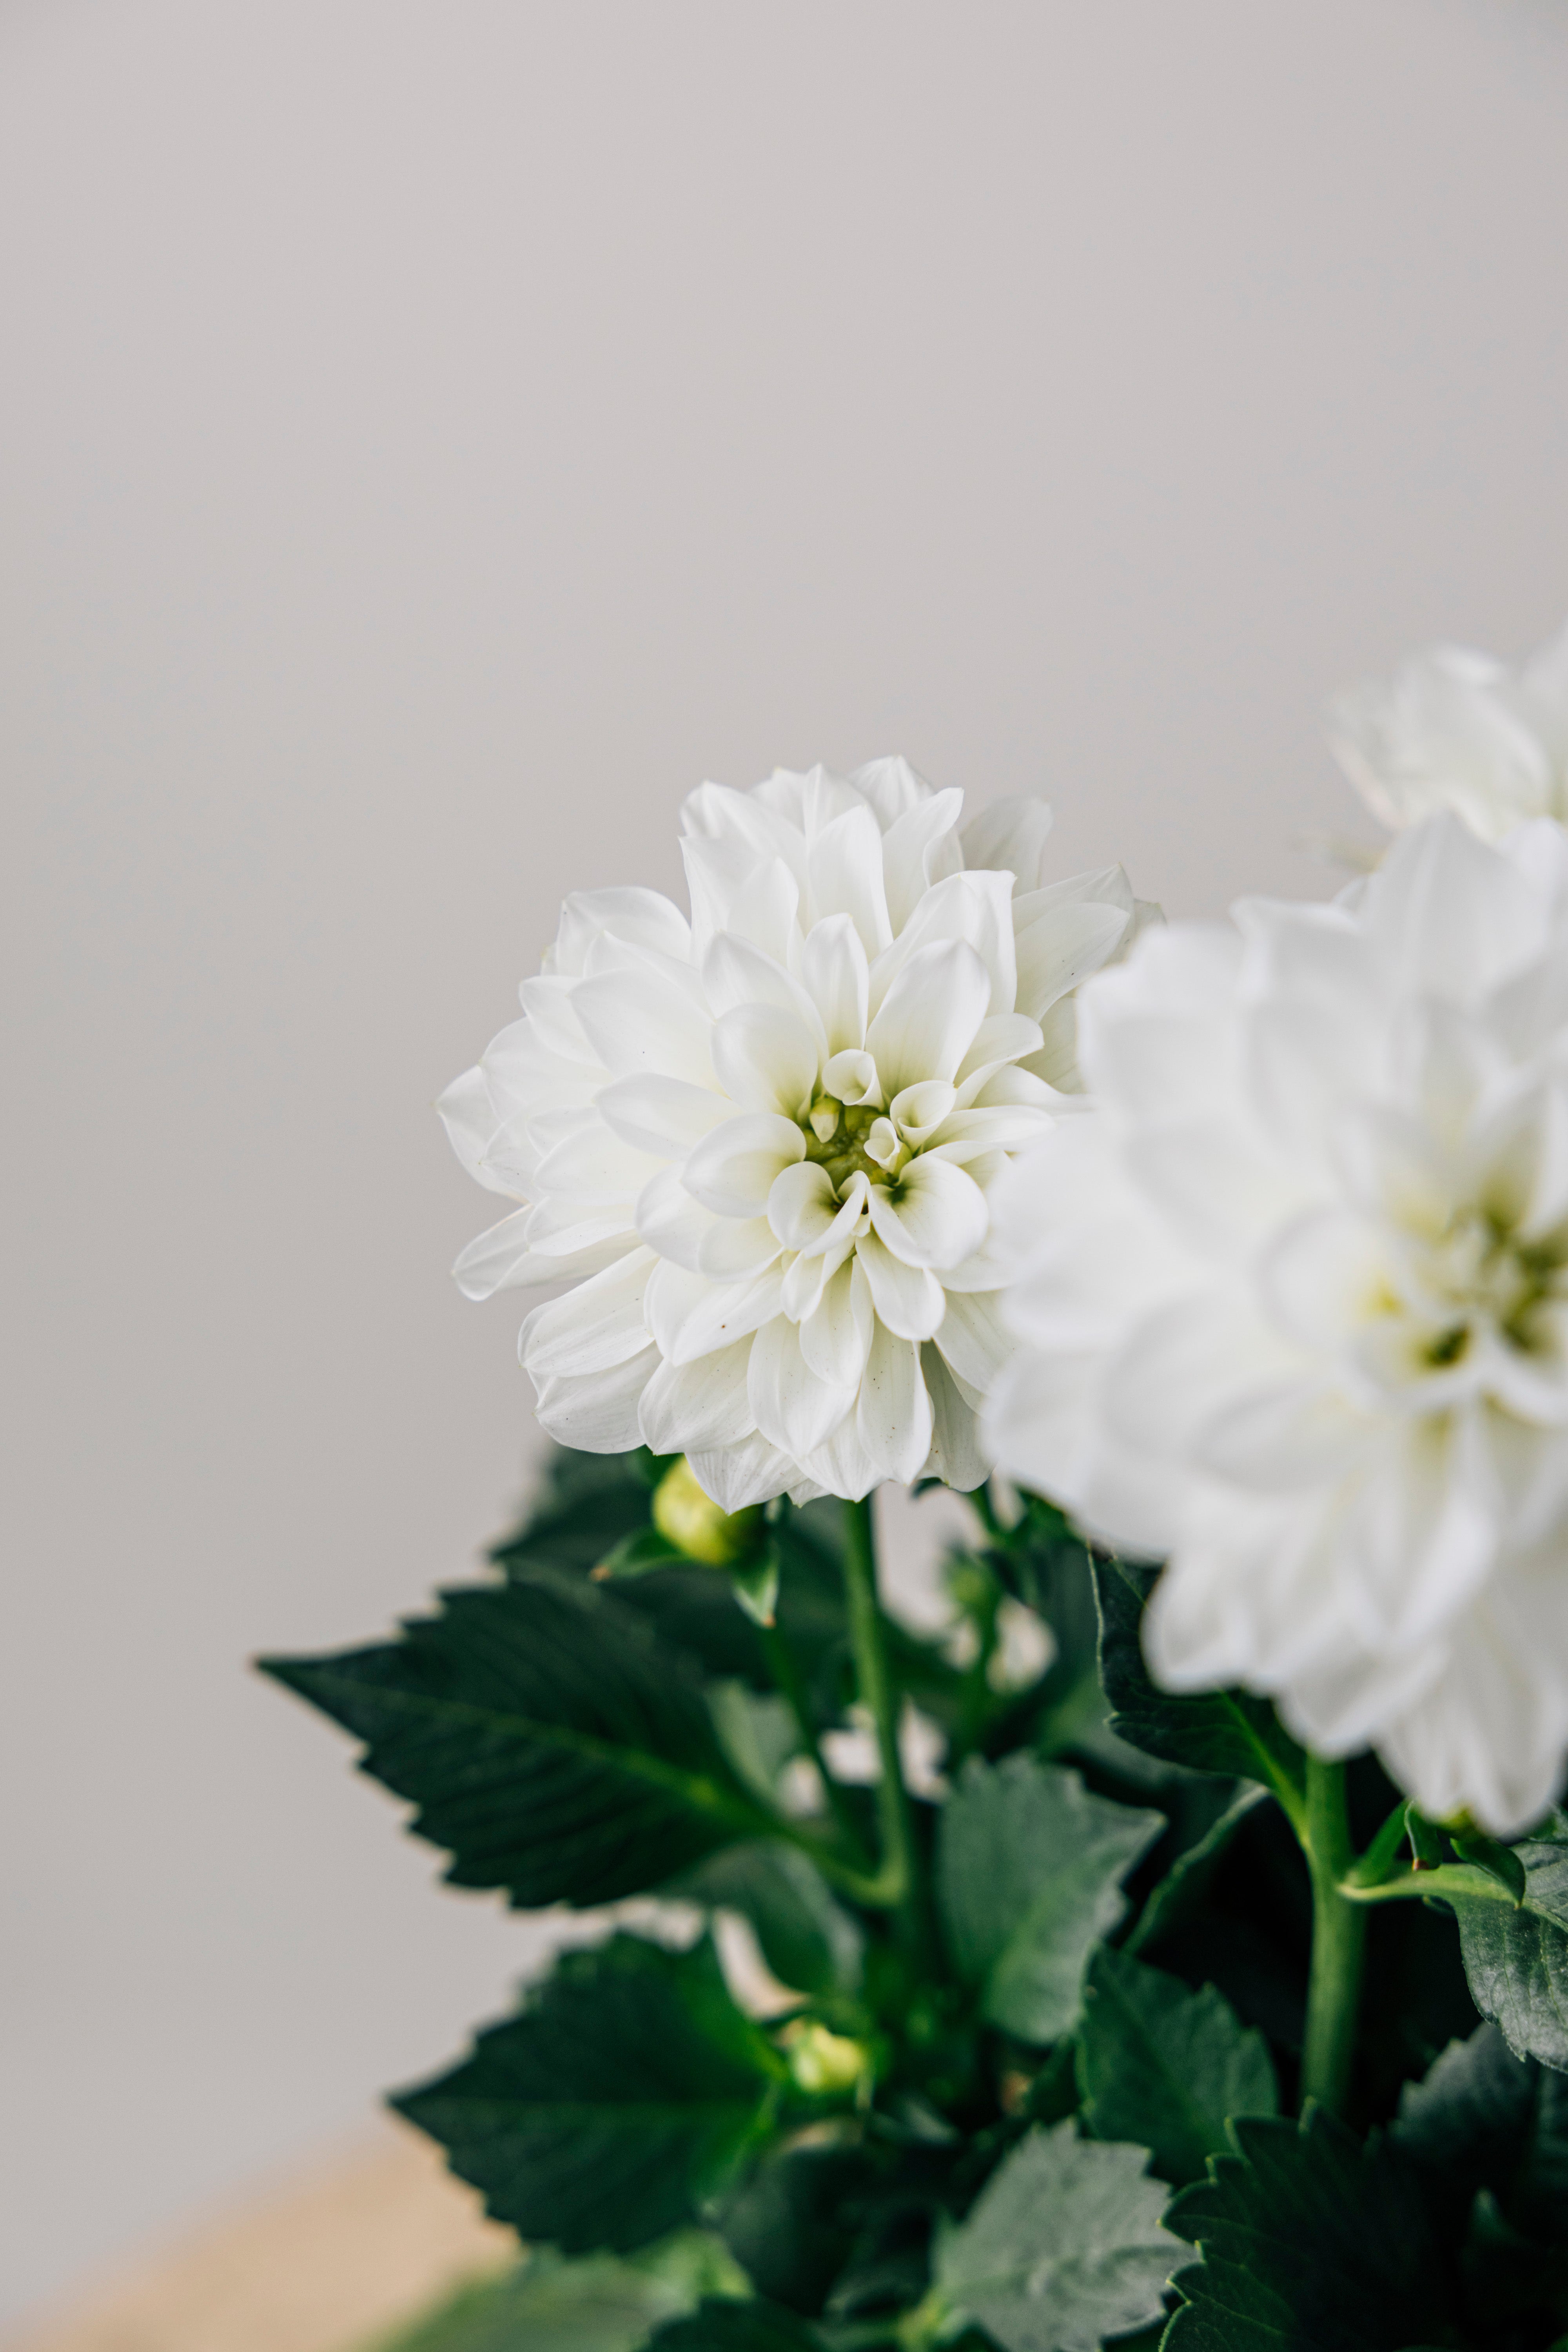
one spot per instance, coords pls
(598, 1325)
(694, 1407)
(736, 1476)
(1061, 946)
(908, 1298)
(919, 1111)
(793, 1407)
(643, 1021)
(670, 1222)
(893, 1413)
(468, 1117)
(1001, 1037)
(974, 908)
(732, 1171)
(921, 847)
(735, 1248)
(844, 876)
(934, 1215)
(836, 977)
(835, 1338)
(929, 1015)
(547, 1003)
(1010, 834)
(488, 1264)
(597, 1411)
(595, 1165)
(642, 918)
(766, 1059)
(802, 1207)
(806, 1278)
(687, 1315)
(659, 1115)
(973, 1338)
(892, 787)
(956, 1451)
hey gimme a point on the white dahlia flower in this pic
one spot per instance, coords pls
(760, 1143)
(1293, 1307)
(1454, 729)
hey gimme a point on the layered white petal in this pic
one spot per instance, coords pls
(1290, 1306)
(757, 1150)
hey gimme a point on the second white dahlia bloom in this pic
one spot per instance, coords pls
(1454, 729)
(760, 1143)
(1293, 1303)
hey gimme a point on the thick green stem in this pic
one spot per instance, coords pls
(1339, 1938)
(877, 1692)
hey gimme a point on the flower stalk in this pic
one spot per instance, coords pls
(898, 1879)
(1339, 1942)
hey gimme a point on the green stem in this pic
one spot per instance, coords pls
(786, 1675)
(877, 1692)
(1339, 1938)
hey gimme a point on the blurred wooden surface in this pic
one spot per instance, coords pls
(325, 2263)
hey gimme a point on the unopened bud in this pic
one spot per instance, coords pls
(692, 1521)
(822, 2062)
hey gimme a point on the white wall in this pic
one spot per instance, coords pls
(433, 437)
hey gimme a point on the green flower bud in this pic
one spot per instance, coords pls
(693, 1522)
(822, 2063)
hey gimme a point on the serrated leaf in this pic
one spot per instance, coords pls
(582, 1507)
(1028, 1872)
(1309, 2239)
(599, 2303)
(1063, 2246)
(1516, 1958)
(794, 2222)
(1166, 2068)
(551, 1744)
(1227, 1732)
(727, 2326)
(622, 2097)
(1188, 1880)
(808, 1940)
(1483, 2119)
(1500, 1862)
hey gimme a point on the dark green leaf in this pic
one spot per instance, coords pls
(1500, 1862)
(1484, 2119)
(638, 1554)
(1516, 1958)
(1188, 1880)
(1220, 1731)
(622, 2097)
(809, 1941)
(1062, 2247)
(1309, 2239)
(723, 2327)
(737, 2327)
(1167, 2068)
(793, 2224)
(1028, 1869)
(599, 2303)
(585, 1504)
(549, 1743)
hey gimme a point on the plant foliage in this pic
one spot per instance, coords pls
(1007, 2064)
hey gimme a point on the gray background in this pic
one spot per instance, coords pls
(432, 438)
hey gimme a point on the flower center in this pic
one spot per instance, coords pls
(853, 1139)
(1480, 1274)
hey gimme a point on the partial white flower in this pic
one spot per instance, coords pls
(1456, 729)
(1294, 1307)
(760, 1143)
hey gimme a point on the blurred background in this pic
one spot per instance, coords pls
(433, 437)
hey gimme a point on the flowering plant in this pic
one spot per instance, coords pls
(1170, 1948)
